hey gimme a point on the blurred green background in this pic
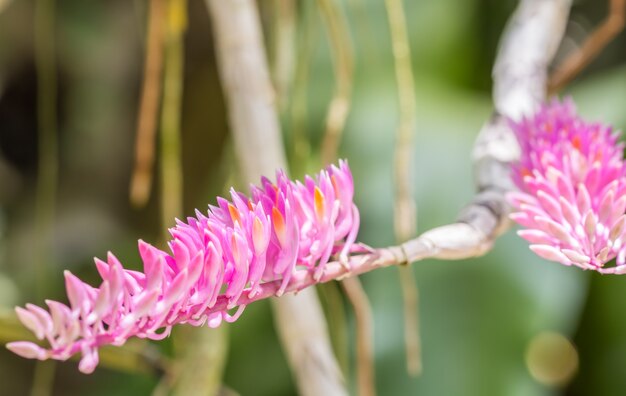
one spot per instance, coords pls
(478, 317)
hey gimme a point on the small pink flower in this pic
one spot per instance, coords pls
(224, 255)
(572, 183)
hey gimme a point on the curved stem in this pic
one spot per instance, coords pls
(343, 64)
(365, 334)
(593, 45)
(405, 210)
(141, 180)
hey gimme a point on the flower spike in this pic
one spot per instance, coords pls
(226, 254)
(572, 197)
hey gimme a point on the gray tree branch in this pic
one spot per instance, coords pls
(520, 75)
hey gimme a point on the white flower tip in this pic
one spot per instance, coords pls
(31, 322)
(576, 257)
(128, 321)
(343, 260)
(27, 350)
(253, 292)
(88, 362)
(550, 253)
(215, 319)
(91, 319)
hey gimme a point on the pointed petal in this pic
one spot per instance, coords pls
(27, 350)
(30, 321)
(550, 253)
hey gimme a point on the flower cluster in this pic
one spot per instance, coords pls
(573, 189)
(224, 256)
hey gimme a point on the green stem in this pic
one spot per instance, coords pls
(171, 167)
(48, 165)
(48, 145)
(307, 43)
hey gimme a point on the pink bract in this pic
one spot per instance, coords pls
(283, 228)
(572, 189)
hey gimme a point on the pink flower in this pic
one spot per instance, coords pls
(572, 180)
(216, 262)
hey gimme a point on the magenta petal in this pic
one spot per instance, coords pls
(145, 251)
(75, 291)
(181, 254)
(176, 289)
(156, 274)
(214, 272)
(101, 304)
(116, 277)
(240, 273)
(102, 267)
(196, 265)
(145, 302)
